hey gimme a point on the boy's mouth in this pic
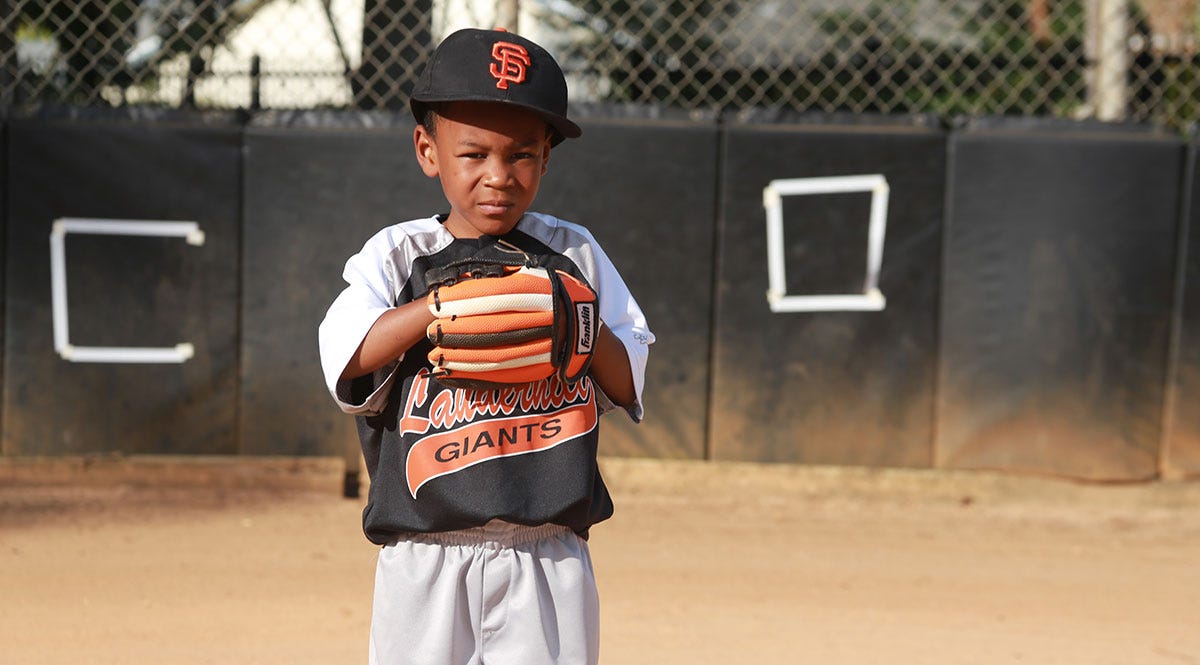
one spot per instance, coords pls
(494, 207)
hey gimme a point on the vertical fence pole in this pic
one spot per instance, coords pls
(195, 69)
(1108, 57)
(255, 82)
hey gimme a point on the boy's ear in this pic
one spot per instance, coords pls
(423, 144)
(545, 156)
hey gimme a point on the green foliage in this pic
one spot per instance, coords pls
(30, 31)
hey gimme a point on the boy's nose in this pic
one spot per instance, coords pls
(498, 174)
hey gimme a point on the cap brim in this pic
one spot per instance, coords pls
(563, 127)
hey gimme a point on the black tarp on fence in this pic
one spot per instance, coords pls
(123, 291)
(644, 187)
(1042, 284)
(828, 387)
(317, 186)
(1181, 454)
(1058, 289)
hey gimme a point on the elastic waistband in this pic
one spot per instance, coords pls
(496, 533)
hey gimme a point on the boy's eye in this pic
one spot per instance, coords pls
(522, 155)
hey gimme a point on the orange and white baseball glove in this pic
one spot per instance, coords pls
(501, 325)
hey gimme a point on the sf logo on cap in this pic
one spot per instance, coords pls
(511, 61)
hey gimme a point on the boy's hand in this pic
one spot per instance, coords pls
(513, 325)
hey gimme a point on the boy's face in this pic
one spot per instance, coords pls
(490, 159)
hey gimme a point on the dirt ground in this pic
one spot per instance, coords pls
(243, 561)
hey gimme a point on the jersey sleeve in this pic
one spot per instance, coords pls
(621, 314)
(368, 294)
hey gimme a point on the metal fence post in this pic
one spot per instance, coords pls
(1108, 57)
(255, 82)
(195, 70)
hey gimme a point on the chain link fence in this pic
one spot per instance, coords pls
(1132, 60)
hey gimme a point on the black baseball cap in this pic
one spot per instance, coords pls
(495, 66)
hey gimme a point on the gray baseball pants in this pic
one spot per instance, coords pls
(500, 594)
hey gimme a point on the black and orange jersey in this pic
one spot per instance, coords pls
(442, 458)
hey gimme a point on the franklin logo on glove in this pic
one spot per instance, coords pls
(587, 327)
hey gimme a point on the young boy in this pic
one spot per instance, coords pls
(483, 557)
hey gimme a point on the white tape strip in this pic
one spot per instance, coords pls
(870, 299)
(189, 231)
